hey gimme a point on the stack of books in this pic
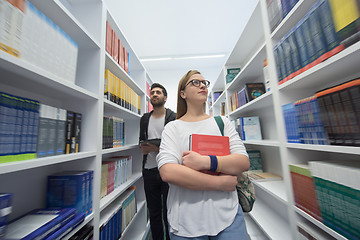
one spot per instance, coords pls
(44, 224)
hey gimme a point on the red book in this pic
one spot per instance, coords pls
(210, 145)
(111, 177)
(108, 37)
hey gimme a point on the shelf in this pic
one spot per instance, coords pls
(275, 188)
(119, 149)
(269, 143)
(86, 221)
(62, 17)
(34, 79)
(292, 18)
(105, 201)
(42, 162)
(319, 224)
(325, 148)
(274, 226)
(323, 74)
(118, 71)
(262, 102)
(251, 71)
(111, 108)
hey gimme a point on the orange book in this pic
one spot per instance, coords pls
(126, 55)
(210, 145)
(116, 48)
(121, 55)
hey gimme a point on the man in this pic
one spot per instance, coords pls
(151, 126)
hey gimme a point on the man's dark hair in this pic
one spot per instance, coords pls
(154, 85)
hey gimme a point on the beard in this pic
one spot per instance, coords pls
(157, 103)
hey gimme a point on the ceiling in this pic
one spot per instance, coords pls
(181, 29)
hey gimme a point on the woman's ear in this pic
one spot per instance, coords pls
(182, 94)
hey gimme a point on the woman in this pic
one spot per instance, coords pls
(200, 205)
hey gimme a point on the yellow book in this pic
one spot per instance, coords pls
(106, 84)
(117, 90)
(344, 12)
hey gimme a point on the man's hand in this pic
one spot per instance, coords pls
(148, 147)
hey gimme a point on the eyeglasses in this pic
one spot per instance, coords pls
(197, 83)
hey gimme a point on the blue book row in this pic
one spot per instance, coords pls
(312, 40)
(19, 123)
(117, 216)
(44, 224)
(72, 189)
(303, 123)
(30, 129)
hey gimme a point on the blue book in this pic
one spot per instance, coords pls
(68, 227)
(291, 125)
(277, 63)
(309, 41)
(301, 46)
(67, 190)
(251, 128)
(5, 210)
(38, 223)
(295, 56)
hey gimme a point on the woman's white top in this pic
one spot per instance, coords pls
(194, 213)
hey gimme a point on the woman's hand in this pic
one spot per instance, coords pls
(196, 161)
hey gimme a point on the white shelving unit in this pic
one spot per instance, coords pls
(85, 22)
(274, 210)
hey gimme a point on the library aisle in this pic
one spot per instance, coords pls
(73, 91)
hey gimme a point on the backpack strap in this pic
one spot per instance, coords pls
(220, 124)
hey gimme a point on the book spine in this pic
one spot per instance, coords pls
(76, 139)
(42, 144)
(69, 131)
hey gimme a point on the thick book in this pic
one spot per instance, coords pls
(39, 223)
(67, 190)
(209, 145)
(5, 210)
(68, 227)
(304, 189)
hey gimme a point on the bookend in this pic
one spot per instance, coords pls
(245, 188)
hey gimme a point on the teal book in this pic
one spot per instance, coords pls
(255, 160)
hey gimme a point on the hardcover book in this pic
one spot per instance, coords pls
(209, 145)
(5, 210)
(67, 228)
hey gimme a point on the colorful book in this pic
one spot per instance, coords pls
(255, 161)
(251, 128)
(39, 223)
(254, 90)
(209, 145)
(231, 74)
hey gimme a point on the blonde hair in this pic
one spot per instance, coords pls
(181, 103)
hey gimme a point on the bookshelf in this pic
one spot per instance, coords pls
(85, 23)
(275, 204)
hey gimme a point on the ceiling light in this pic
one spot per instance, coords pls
(181, 57)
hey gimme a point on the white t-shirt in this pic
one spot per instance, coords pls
(195, 213)
(155, 128)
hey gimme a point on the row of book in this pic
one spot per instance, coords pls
(117, 91)
(331, 116)
(71, 189)
(30, 129)
(113, 132)
(47, 224)
(329, 192)
(246, 94)
(27, 33)
(277, 10)
(324, 31)
(114, 172)
(248, 128)
(116, 49)
(117, 216)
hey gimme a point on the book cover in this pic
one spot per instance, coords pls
(254, 90)
(42, 144)
(255, 161)
(209, 145)
(67, 190)
(231, 74)
(291, 125)
(67, 228)
(38, 223)
(264, 176)
(60, 131)
(5, 210)
(304, 189)
(251, 128)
